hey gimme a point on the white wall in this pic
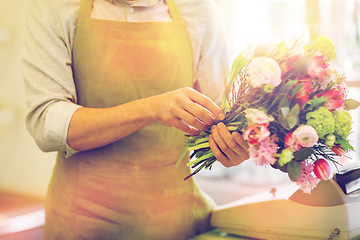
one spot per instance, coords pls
(23, 167)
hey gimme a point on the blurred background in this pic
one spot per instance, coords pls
(25, 170)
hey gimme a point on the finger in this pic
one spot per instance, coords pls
(218, 153)
(224, 140)
(184, 127)
(207, 103)
(229, 153)
(191, 120)
(200, 112)
(240, 140)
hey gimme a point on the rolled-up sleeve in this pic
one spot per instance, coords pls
(47, 73)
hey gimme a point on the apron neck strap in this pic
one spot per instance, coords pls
(86, 7)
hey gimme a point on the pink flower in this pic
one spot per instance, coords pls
(263, 71)
(321, 169)
(256, 133)
(335, 97)
(255, 116)
(290, 142)
(317, 67)
(263, 152)
(293, 57)
(307, 180)
(306, 136)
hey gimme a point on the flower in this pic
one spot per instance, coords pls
(321, 169)
(317, 67)
(322, 120)
(285, 156)
(335, 97)
(262, 71)
(264, 50)
(256, 133)
(324, 46)
(255, 116)
(338, 150)
(263, 152)
(306, 136)
(287, 102)
(302, 96)
(307, 180)
(290, 142)
(292, 57)
(330, 140)
(342, 123)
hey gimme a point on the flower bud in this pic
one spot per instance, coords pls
(321, 169)
(330, 140)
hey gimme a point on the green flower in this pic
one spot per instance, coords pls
(285, 156)
(325, 47)
(322, 120)
(342, 123)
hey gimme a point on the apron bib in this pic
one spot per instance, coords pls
(129, 189)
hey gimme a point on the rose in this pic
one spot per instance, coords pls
(306, 136)
(262, 71)
(321, 169)
(256, 133)
(290, 142)
(317, 67)
(255, 116)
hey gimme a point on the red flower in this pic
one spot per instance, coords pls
(290, 142)
(338, 150)
(291, 58)
(322, 169)
(302, 96)
(317, 67)
(256, 133)
(335, 97)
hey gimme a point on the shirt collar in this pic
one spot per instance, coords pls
(137, 3)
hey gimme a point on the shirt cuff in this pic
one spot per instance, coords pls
(57, 124)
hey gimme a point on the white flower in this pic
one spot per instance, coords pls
(262, 71)
(255, 116)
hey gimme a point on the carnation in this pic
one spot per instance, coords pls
(322, 120)
(263, 152)
(307, 179)
(342, 123)
(262, 71)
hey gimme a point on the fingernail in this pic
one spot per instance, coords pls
(221, 116)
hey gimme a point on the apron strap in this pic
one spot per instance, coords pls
(85, 8)
(174, 11)
(86, 5)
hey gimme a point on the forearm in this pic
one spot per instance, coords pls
(96, 127)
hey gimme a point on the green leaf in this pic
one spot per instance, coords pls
(351, 104)
(294, 170)
(303, 153)
(345, 144)
(285, 112)
(292, 121)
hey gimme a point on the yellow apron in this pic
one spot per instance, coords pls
(129, 189)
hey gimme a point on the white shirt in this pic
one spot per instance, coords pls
(49, 33)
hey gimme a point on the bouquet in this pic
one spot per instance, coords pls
(289, 103)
